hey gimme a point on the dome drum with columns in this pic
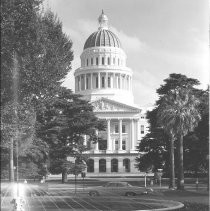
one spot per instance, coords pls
(106, 81)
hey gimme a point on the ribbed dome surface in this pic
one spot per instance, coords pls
(102, 37)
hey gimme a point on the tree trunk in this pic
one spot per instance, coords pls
(64, 176)
(11, 162)
(172, 174)
(180, 181)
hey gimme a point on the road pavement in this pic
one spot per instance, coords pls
(57, 196)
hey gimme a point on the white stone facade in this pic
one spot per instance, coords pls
(104, 80)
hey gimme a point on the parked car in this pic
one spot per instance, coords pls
(118, 188)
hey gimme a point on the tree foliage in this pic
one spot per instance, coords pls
(63, 124)
(35, 57)
(199, 136)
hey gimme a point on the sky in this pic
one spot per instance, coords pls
(159, 37)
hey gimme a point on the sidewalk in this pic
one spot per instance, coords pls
(190, 194)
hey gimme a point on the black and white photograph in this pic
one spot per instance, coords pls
(105, 105)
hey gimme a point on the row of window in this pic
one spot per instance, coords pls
(104, 61)
(116, 129)
(102, 144)
(102, 165)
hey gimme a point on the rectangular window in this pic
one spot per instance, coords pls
(113, 60)
(87, 62)
(96, 81)
(123, 129)
(102, 60)
(116, 129)
(97, 61)
(91, 61)
(124, 145)
(116, 145)
(108, 61)
(109, 82)
(102, 82)
(142, 129)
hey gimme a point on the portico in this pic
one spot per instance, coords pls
(118, 135)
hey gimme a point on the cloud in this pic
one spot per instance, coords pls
(131, 44)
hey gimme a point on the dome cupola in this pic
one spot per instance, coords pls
(103, 71)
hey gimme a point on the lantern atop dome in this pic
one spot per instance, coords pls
(103, 21)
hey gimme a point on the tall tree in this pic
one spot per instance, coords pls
(178, 114)
(173, 82)
(64, 122)
(35, 57)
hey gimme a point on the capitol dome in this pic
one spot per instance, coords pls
(103, 71)
(102, 37)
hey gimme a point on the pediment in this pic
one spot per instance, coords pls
(107, 105)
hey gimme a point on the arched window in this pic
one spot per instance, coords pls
(126, 164)
(102, 60)
(90, 165)
(102, 165)
(114, 165)
(96, 60)
(91, 61)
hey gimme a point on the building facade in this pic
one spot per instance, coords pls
(106, 81)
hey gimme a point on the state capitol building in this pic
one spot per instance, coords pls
(106, 81)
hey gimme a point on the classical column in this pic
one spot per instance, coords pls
(99, 80)
(106, 82)
(108, 165)
(109, 144)
(84, 81)
(120, 134)
(91, 81)
(111, 80)
(80, 78)
(120, 81)
(115, 81)
(138, 129)
(96, 146)
(132, 134)
(96, 165)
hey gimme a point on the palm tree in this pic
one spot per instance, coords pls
(163, 121)
(179, 115)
